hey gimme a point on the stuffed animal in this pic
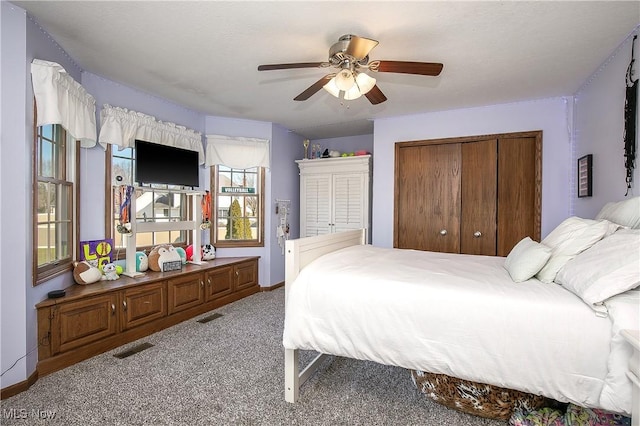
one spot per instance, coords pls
(208, 252)
(161, 254)
(85, 273)
(109, 272)
(142, 261)
(183, 254)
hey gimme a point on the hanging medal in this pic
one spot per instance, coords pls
(125, 192)
(206, 210)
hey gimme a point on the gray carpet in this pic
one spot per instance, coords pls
(227, 371)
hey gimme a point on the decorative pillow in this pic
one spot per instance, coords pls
(571, 237)
(610, 267)
(526, 259)
(625, 213)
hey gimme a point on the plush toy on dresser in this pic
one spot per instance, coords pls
(109, 272)
(207, 252)
(161, 254)
(84, 273)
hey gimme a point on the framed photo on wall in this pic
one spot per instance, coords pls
(585, 184)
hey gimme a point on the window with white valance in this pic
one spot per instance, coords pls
(121, 127)
(237, 152)
(62, 100)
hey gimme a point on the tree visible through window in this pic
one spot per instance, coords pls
(238, 206)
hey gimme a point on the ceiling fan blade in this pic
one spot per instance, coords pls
(292, 66)
(375, 95)
(359, 47)
(421, 68)
(315, 87)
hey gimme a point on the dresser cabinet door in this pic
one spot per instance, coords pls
(143, 304)
(246, 274)
(77, 323)
(185, 292)
(218, 283)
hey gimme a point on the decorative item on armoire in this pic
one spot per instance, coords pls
(630, 108)
(585, 186)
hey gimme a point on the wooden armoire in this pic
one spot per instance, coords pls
(473, 195)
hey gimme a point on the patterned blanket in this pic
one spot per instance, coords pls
(574, 416)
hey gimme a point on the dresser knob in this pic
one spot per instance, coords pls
(443, 232)
(477, 234)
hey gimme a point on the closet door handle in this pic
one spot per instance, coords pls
(443, 232)
(477, 234)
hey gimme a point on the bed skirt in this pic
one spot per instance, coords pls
(479, 399)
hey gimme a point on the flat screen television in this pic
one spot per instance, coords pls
(157, 163)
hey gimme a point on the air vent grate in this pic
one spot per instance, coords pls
(209, 318)
(134, 350)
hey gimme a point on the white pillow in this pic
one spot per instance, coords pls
(610, 267)
(571, 237)
(525, 259)
(626, 212)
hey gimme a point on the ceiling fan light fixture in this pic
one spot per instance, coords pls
(345, 80)
(365, 82)
(332, 87)
(353, 93)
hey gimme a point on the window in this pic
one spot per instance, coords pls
(157, 205)
(55, 197)
(238, 206)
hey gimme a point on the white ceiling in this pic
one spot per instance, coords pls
(204, 54)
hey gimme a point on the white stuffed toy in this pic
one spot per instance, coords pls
(109, 272)
(208, 252)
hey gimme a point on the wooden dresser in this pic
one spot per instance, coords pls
(91, 319)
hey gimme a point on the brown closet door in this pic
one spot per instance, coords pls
(478, 218)
(427, 194)
(517, 207)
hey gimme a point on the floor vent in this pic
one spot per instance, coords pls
(139, 348)
(209, 318)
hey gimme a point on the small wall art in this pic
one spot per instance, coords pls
(585, 184)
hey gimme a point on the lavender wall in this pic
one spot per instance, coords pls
(599, 126)
(15, 184)
(347, 143)
(286, 147)
(552, 116)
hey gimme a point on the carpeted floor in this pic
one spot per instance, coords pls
(228, 371)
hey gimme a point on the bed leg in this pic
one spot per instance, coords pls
(291, 375)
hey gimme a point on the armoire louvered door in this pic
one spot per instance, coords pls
(334, 194)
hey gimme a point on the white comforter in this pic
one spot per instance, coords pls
(459, 315)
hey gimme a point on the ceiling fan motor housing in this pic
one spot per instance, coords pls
(337, 56)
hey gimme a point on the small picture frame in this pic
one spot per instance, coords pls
(585, 184)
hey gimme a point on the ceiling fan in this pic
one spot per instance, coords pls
(350, 55)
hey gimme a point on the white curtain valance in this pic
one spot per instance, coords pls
(121, 127)
(62, 100)
(237, 152)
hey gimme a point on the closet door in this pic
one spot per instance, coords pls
(519, 189)
(348, 202)
(478, 214)
(427, 194)
(316, 206)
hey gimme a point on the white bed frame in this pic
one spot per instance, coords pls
(298, 254)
